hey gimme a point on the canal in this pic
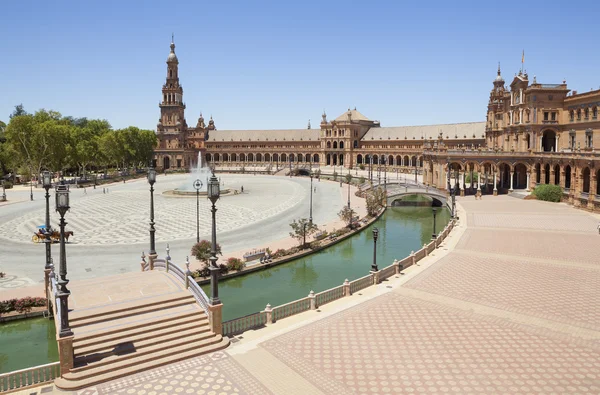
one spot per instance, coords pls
(401, 230)
(26, 343)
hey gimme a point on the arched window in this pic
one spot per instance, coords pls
(171, 73)
(586, 113)
(390, 160)
(316, 158)
(594, 112)
(329, 144)
(275, 157)
(283, 157)
(216, 157)
(299, 158)
(359, 159)
(267, 157)
(250, 157)
(355, 143)
(398, 160)
(234, 157)
(571, 115)
(567, 176)
(259, 158)
(579, 115)
(307, 158)
(341, 145)
(586, 180)
(335, 145)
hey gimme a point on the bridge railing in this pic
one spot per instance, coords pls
(20, 379)
(185, 277)
(313, 301)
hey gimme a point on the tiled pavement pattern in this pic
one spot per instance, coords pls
(216, 373)
(396, 344)
(547, 290)
(121, 217)
(402, 344)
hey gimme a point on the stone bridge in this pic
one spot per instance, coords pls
(396, 190)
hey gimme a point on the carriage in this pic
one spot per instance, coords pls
(40, 235)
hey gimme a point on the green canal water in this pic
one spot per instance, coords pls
(27, 343)
(401, 230)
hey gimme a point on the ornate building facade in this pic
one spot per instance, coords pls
(349, 140)
(534, 134)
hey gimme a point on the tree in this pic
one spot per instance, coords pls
(375, 200)
(302, 228)
(348, 178)
(347, 215)
(202, 249)
(19, 110)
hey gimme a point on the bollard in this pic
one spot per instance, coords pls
(269, 312)
(187, 272)
(143, 262)
(167, 259)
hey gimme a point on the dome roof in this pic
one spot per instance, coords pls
(172, 57)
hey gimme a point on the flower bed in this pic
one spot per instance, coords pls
(23, 305)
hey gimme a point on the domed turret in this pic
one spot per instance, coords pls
(172, 57)
(201, 123)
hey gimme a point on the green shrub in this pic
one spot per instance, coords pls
(361, 166)
(548, 193)
(235, 264)
(22, 305)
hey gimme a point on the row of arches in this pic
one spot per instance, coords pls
(390, 160)
(259, 157)
(563, 176)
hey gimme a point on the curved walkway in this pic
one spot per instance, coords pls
(509, 303)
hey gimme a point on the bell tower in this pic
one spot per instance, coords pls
(172, 108)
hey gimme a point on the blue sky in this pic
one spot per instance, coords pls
(262, 64)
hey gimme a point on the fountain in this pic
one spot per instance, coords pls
(199, 172)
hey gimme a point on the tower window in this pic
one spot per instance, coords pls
(170, 73)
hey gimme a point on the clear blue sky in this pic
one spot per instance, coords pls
(276, 64)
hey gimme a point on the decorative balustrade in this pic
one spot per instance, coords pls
(329, 295)
(241, 324)
(198, 293)
(184, 276)
(361, 283)
(28, 377)
(420, 254)
(387, 272)
(291, 308)
(313, 301)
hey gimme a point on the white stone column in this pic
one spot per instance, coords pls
(495, 188)
(512, 176)
(527, 182)
(556, 143)
(541, 148)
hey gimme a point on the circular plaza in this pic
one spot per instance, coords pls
(110, 224)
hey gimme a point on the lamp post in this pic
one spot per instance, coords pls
(311, 193)
(374, 264)
(31, 188)
(213, 194)
(3, 192)
(349, 179)
(197, 187)
(151, 181)
(62, 206)
(47, 182)
(434, 234)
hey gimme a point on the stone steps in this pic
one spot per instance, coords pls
(132, 336)
(109, 357)
(73, 382)
(108, 314)
(139, 334)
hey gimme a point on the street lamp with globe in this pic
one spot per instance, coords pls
(214, 192)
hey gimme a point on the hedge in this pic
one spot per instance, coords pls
(548, 193)
(22, 305)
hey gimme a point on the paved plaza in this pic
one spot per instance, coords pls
(111, 230)
(482, 314)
